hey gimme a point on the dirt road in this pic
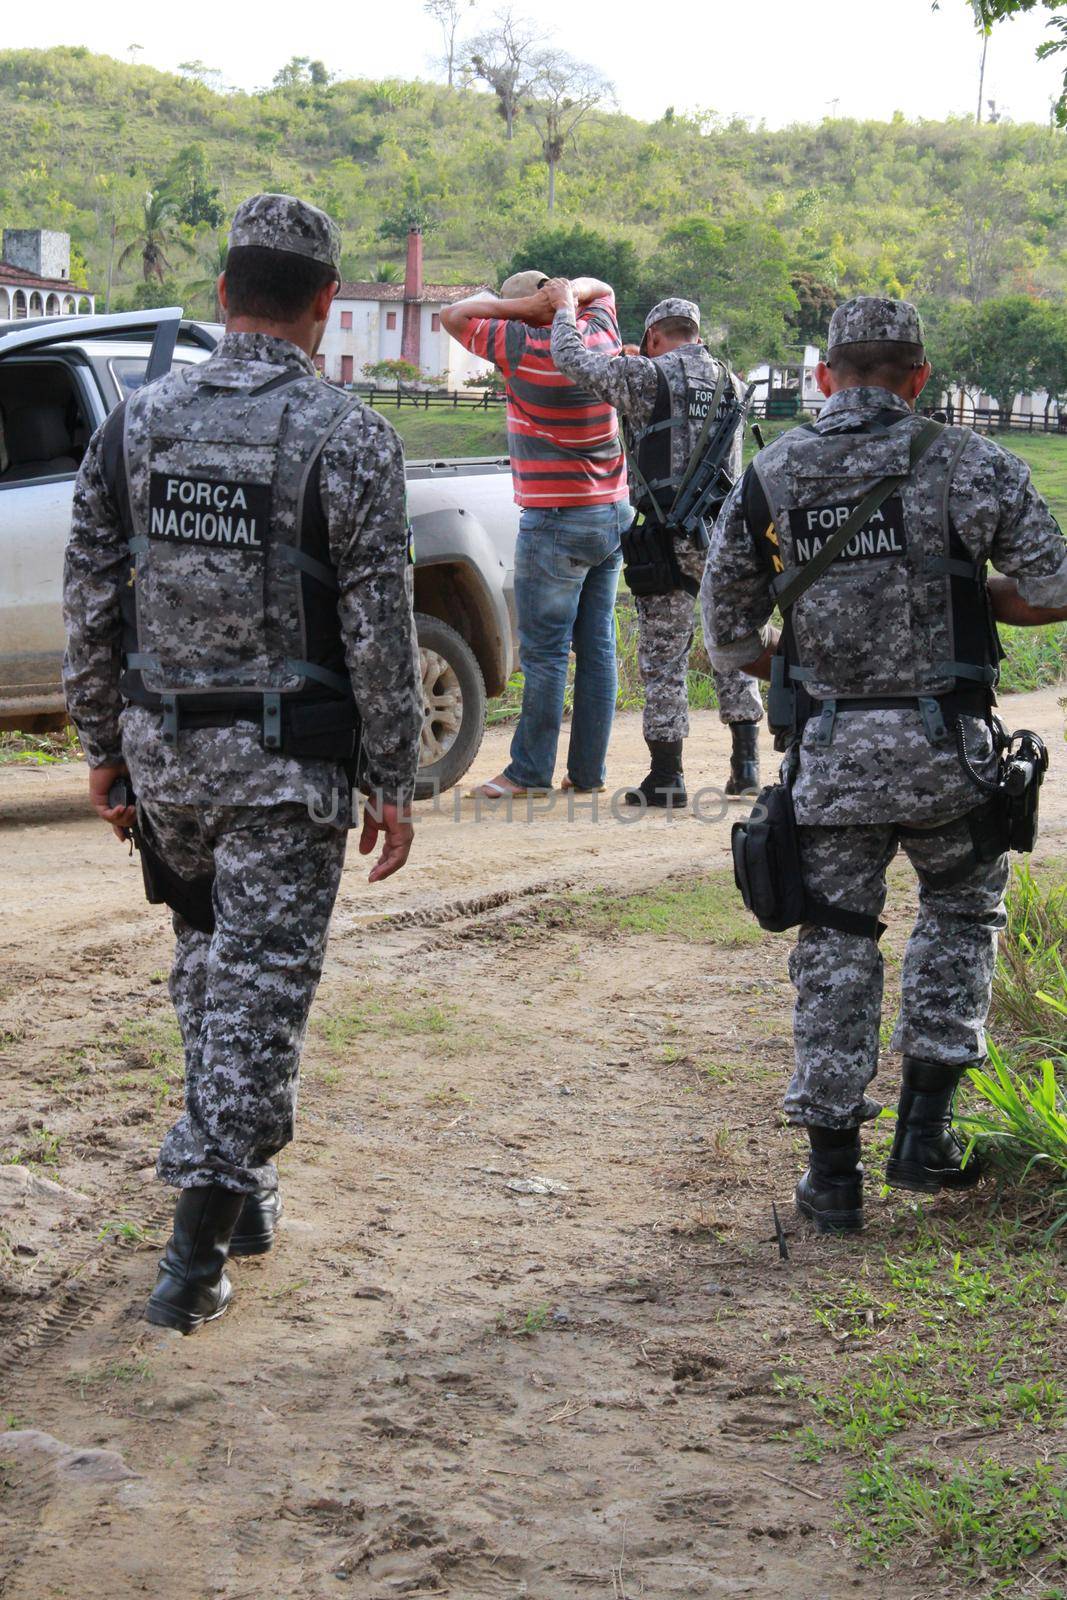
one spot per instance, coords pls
(523, 1330)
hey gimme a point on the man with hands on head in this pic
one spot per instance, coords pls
(663, 393)
(570, 482)
(237, 596)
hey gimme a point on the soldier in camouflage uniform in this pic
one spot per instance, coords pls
(237, 597)
(894, 644)
(671, 356)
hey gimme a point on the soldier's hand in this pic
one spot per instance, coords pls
(559, 294)
(121, 818)
(395, 824)
(631, 349)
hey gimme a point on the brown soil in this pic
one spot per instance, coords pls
(436, 1384)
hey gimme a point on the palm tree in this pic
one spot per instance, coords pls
(214, 262)
(389, 273)
(154, 234)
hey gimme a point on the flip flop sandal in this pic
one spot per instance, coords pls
(497, 791)
(569, 784)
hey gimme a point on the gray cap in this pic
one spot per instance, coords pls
(869, 319)
(673, 308)
(282, 222)
(521, 284)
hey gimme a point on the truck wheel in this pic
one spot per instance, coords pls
(453, 695)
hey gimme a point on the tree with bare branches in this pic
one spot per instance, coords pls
(508, 58)
(566, 91)
(448, 14)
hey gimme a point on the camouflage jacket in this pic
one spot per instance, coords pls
(880, 766)
(362, 489)
(630, 384)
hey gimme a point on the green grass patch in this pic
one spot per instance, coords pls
(441, 433)
(40, 1149)
(707, 910)
(981, 1521)
(39, 749)
(953, 1335)
(440, 1026)
(1032, 959)
(1036, 658)
(153, 1042)
(1046, 456)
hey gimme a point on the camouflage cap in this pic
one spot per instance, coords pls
(869, 319)
(673, 308)
(282, 222)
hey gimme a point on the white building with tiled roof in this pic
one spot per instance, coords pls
(371, 322)
(35, 276)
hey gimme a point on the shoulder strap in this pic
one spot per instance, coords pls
(788, 592)
(282, 381)
(113, 464)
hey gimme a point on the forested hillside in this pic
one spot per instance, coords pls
(774, 226)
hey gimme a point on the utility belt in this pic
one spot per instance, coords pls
(326, 729)
(790, 707)
(649, 558)
(766, 849)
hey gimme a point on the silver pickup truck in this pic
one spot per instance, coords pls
(59, 378)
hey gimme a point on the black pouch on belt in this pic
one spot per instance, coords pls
(767, 860)
(649, 564)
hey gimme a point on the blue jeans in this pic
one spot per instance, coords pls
(567, 565)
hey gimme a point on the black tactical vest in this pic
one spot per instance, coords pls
(230, 612)
(688, 380)
(902, 615)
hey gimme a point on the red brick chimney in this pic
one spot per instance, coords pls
(410, 339)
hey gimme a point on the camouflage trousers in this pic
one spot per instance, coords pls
(664, 639)
(946, 978)
(243, 993)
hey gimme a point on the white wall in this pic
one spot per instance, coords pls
(370, 340)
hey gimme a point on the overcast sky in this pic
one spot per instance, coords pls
(779, 61)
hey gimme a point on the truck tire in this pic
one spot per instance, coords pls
(454, 700)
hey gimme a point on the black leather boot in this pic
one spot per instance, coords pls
(192, 1286)
(254, 1233)
(926, 1154)
(744, 760)
(665, 785)
(830, 1194)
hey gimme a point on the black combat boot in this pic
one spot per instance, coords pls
(665, 785)
(254, 1233)
(830, 1194)
(192, 1286)
(744, 759)
(926, 1154)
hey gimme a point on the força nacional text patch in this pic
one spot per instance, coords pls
(208, 511)
(882, 535)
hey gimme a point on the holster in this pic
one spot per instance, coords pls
(189, 897)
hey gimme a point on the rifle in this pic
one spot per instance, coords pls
(707, 483)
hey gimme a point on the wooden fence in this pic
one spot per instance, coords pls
(986, 419)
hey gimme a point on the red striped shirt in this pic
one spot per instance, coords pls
(564, 443)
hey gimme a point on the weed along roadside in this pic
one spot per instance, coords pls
(528, 1327)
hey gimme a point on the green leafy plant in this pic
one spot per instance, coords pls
(1030, 986)
(1026, 1116)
